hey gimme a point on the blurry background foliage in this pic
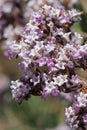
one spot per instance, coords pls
(35, 114)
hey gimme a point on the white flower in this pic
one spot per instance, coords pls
(77, 39)
(62, 55)
(49, 48)
(66, 36)
(82, 100)
(60, 80)
(53, 12)
(74, 13)
(49, 86)
(84, 48)
(60, 65)
(15, 47)
(33, 35)
(15, 84)
(38, 49)
(69, 112)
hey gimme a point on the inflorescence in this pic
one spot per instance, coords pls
(14, 14)
(49, 53)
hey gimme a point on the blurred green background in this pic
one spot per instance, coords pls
(34, 114)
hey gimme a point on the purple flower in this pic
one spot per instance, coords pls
(85, 118)
(55, 92)
(75, 79)
(70, 64)
(76, 54)
(9, 54)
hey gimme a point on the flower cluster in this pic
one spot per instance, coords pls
(77, 114)
(14, 14)
(49, 52)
